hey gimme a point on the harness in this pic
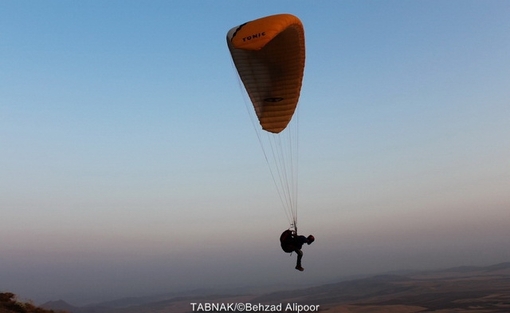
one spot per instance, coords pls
(287, 241)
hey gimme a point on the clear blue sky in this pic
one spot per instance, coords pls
(128, 164)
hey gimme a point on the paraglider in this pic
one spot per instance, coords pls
(291, 242)
(269, 55)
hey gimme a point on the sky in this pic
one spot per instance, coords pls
(129, 165)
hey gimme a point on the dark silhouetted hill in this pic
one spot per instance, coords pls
(10, 304)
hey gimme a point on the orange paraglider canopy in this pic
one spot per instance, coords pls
(269, 54)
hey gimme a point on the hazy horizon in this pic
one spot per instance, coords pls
(129, 166)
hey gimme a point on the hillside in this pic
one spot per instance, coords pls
(10, 304)
(462, 289)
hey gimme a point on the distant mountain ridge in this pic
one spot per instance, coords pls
(492, 268)
(60, 305)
